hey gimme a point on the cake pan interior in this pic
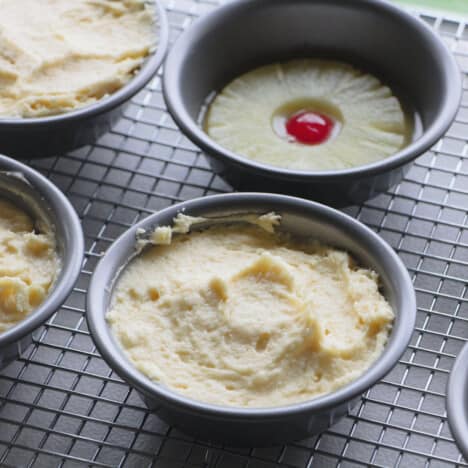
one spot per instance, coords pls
(355, 32)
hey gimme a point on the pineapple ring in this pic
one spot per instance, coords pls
(248, 115)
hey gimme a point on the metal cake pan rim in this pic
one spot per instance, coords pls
(457, 401)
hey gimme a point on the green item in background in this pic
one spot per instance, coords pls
(454, 6)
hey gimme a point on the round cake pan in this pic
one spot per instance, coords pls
(457, 401)
(54, 135)
(266, 426)
(373, 34)
(46, 204)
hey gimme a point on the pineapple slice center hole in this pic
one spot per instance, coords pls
(286, 111)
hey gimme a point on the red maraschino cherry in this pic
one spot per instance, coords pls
(310, 128)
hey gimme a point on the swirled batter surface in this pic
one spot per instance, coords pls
(58, 55)
(28, 265)
(239, 316)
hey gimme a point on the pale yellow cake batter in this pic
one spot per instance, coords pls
(58, 55)
(28, 264)
(236, 315)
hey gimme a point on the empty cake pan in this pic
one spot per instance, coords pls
(372, 34)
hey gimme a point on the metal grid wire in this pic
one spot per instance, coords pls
(60, 405)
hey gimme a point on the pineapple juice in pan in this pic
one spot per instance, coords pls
(309, 114)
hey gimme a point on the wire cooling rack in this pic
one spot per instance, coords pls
(61, 406)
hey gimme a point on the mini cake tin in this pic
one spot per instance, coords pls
(56, 134)
(260, 426)
(457, 401)
(372, 34)
(45, 203)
